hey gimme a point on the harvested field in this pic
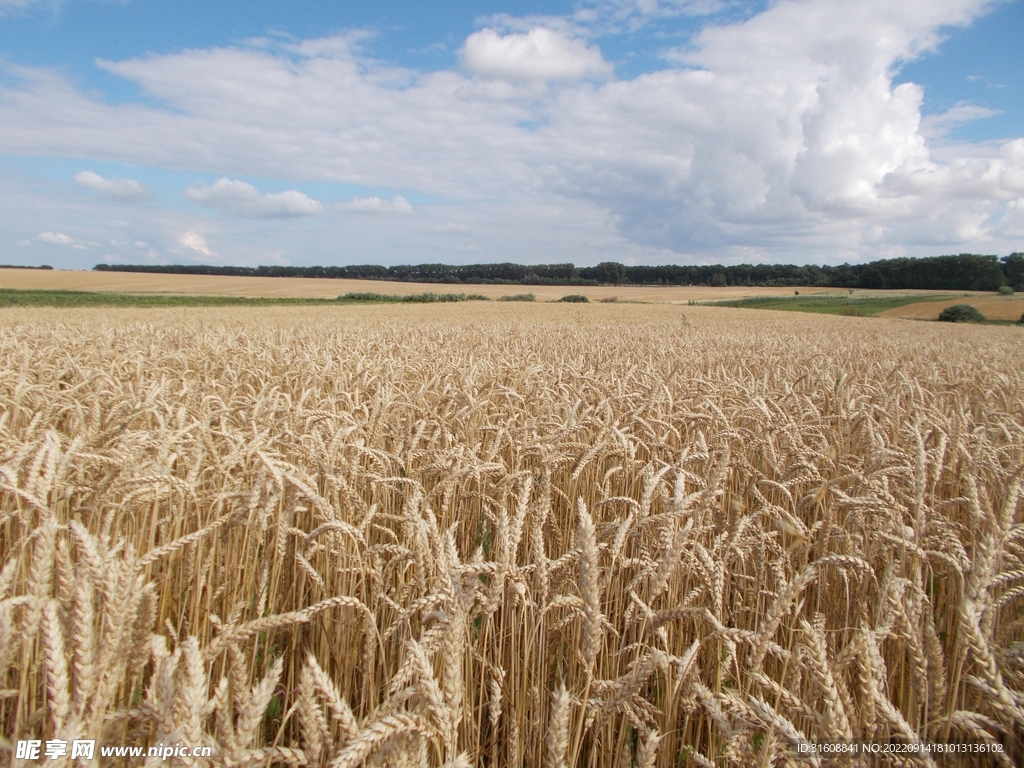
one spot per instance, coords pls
(500, 534)
(992, 307)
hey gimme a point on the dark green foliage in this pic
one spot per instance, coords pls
(477, 297)
(607, 273)
(961, 313)
(575, 298)
(515, 274)
(963, 272)
(1013, 268)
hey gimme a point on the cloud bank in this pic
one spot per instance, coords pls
(779, 137)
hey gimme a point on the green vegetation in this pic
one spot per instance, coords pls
(830, 304)
(961, 313)
(10, 297)
(518, 297)
(575, 298)
(1006, 290)
(413, 298)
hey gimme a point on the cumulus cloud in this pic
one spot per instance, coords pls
(782, 130)
(116, 189)
(196, 243)
(243, 199)
(376, 205)
(59, 238)
(538, 55)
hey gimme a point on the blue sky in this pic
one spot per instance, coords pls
(643, 131)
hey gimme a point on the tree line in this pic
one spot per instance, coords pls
(962, 272)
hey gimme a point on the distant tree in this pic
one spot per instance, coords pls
(1013, 270)
(961, 313)
(610, 273)
(963, 272)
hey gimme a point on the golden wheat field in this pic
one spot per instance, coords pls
(554, 535)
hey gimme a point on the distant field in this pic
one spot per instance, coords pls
(992, 307)
(306, 288)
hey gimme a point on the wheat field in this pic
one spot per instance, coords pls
(502, 535)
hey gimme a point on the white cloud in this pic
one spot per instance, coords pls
(541, 54)
(376, 205)
(784, 131)
(243, 199)
(937, 125)
(117, 189)
(59, 238)
(195, 242)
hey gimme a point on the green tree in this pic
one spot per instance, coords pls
(610, 272)
(1013, 269)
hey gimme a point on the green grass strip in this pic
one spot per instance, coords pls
(10, 297)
